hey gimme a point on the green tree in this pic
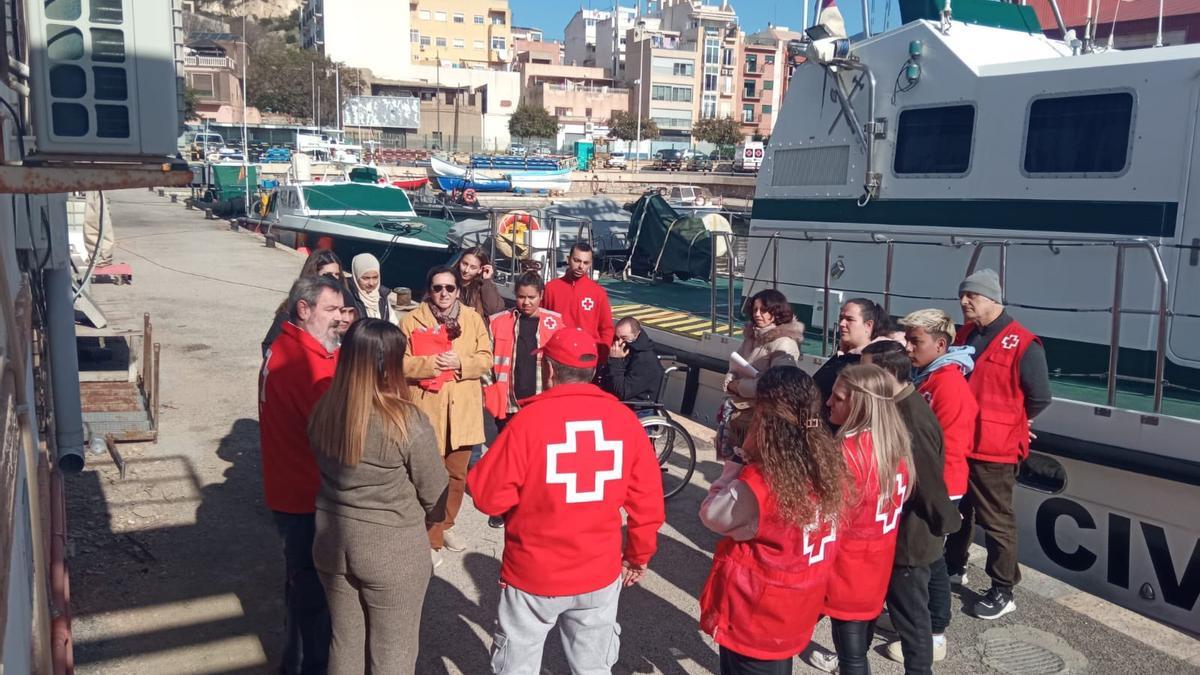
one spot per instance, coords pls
(623, 125)
(720, 131)
(532, 121)
(279, 79)
(190, 99)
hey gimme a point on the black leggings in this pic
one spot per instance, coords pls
(852, 639)
(733, 663)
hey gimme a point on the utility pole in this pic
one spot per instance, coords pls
(639, 31)
(313, 90)
(337, 93)
(245, 135)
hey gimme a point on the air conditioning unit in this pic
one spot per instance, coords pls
(105, 77)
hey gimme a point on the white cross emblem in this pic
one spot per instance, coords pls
(889, 518)
(1010, 341)
(587, 304)
(928, 396)
(557, 453)
(818, 547)
(549, 323)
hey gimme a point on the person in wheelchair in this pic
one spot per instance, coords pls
(634, 373)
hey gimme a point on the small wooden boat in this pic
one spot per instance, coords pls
(410, 183)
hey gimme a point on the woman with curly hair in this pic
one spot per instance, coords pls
(767, 584)
(877, 448)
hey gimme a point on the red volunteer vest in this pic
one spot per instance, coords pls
(867, 540)
(1003, 432)
(504, 337)
(763, 596)
(951, 398)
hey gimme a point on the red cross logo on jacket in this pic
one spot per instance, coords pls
(587, 304)
(549, 323)
(889, 518)
(582, 466)
(1010, 341)
(815, 550)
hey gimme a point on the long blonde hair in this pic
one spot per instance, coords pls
(369, 378)
(870, 390)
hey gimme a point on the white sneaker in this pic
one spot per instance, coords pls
(436, 556)
(896, 653)
(452, 542)
(820, 658)
(959, 579)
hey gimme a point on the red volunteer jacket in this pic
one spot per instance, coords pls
(503, 326)
(583, 303)
(764, 596)
(295, 373)
(866, 539)
(560, 473)
(1003, 432)
(953, 402)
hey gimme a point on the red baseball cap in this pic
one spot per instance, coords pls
(571, 347)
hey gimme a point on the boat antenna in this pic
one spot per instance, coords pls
(1113, 30)
(1158, 41)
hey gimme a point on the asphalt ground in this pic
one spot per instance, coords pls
(177, 568)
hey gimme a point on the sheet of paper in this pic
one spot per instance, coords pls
(743, 366)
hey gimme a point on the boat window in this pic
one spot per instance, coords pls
(935, 140)
(1079, 134)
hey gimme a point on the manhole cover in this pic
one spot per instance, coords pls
(1023, 650)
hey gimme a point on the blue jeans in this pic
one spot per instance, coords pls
(307, 628)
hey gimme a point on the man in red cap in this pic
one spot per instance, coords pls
(561, 472)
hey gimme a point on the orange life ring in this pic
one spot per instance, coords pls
(469, 196)
(516, 223)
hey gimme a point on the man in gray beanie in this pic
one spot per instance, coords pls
(1011, 384)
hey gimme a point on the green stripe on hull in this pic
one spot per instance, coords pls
(1141, 219)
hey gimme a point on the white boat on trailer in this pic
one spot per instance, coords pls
(1073, 175)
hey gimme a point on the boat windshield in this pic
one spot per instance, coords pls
(357, 197)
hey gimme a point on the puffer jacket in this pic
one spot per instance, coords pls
(764, 348)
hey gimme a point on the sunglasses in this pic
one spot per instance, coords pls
(448, 288)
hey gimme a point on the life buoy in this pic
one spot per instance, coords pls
(469, 197)
(701, 201)
(512, 233)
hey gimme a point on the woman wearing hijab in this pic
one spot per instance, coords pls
(370, 295)
(448, 352)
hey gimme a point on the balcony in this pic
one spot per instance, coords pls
(587, 89)
(751, 94)
(219, 62)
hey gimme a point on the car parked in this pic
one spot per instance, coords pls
(700, 162)
(617, 160)
(669, 160)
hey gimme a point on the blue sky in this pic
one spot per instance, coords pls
(552, 16)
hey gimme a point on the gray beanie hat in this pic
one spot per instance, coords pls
(985, 282)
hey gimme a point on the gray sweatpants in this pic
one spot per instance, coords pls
(588, 622)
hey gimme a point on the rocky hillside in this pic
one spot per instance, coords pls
(258, 9)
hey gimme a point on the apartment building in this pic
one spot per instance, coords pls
(582, 98)
(212, 70)
(340, 30)
(579, 37)
(763, 78)
(528, 51)
(461, 33)
(527, 34)
(608, 40)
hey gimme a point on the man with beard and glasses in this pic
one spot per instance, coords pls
(297, 370)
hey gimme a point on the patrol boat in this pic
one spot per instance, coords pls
(965, 138)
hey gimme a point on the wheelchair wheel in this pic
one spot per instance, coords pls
(675, 450)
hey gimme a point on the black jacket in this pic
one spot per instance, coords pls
(636, 377)
(928, 515)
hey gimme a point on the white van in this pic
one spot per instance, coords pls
(749, 156)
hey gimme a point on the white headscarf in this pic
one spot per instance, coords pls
(360, 265)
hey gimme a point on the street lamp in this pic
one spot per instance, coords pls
(245, 136)
(638, 35)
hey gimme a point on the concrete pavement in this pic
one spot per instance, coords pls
(177, 568)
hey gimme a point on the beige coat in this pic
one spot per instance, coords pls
(456, 411)
(775, 346)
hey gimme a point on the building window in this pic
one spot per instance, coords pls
(748, 90)
(712, 50)
(414, 36)
(459, 18)
(684, 70)
(769, 59)
(766, 109)
(748, 113)
(751, 63)
(439, 16)
(1079, 134)
(479, 19)
(668, 92)
(425, 42)
(935, 140)
(479, 44)
(589, 22)
(768, 85)
(202, 83)
(460, 43)
(562, 112)
(727, 57)
(424, 15)
(708, 106)
(497, 43)
(498, 19)
(441, 42)
(710, 78)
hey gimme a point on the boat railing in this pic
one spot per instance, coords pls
(887, 242)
